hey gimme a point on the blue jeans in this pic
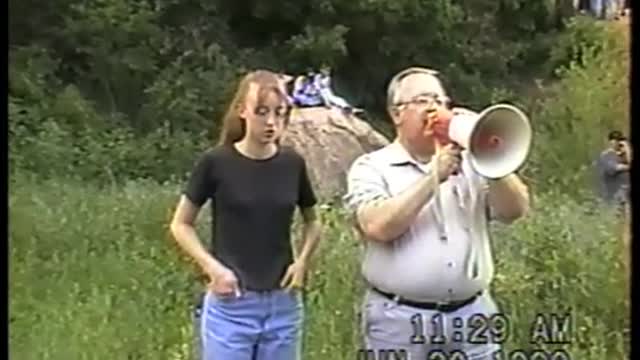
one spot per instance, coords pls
(265, 325)
(604, 8)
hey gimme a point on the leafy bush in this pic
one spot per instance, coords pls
(110, 156)
(572, 120)
(174, 59)
(54, 131)
(582, 33)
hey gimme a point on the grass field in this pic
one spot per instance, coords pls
(95, 275)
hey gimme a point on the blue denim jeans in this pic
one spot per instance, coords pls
(258, 325)
(605, 9)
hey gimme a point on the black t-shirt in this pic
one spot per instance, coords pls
(252, 204)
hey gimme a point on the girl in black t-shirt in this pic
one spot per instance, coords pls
(252, 308)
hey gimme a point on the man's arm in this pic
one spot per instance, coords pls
(612, 164)
(627, 152)
(382, 217)
(386, 219)
(622, 167)
(509, 198)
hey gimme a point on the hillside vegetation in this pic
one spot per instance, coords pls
(110, 101)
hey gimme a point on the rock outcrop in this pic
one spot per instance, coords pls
(330, 141)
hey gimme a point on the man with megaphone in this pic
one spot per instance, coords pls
(421, 205)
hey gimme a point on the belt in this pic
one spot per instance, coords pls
(439, 306)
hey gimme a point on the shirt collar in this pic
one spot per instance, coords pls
(398, 155)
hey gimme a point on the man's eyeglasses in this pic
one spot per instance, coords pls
(427, 101)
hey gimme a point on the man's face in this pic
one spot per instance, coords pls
(417, 97)
(615, 144)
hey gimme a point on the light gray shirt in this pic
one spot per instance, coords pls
(445, 254)
(613, 183)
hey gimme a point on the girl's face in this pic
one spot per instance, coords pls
(265, 112)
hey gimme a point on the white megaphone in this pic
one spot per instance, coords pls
(498, 139)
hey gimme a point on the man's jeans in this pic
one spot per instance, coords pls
(429, 334)
(265, 325)
(605, 9)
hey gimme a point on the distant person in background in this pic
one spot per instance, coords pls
(305, 92)
(584, 6)
(606, 9)
(252, 309)
(613, 167)
(599, 8)
(625, 8)
(322, 81)
(617, 9)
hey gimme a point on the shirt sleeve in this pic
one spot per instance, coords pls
(365, 184)
(306, 195)
(200, 186)
(610, 163)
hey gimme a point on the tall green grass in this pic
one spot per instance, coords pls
(590, 98)
(95, 275)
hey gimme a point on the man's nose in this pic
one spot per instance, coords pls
(431, 111)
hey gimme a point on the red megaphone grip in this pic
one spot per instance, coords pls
(441, 126)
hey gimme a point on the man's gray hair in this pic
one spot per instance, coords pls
(396, 81)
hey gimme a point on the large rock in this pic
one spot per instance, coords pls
(330, 141)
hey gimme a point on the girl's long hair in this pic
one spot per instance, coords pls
(233, 126)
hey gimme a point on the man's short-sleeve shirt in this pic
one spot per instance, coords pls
(445, 254)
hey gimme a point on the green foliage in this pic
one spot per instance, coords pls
(55, 131)
(180, 96)
(110, 77)
(572, 120)
(83, 262)
(318, 46)
(84, 257)
(109, 71)
(582, 34)
(110, 156)
(64, 137)
(123, 55)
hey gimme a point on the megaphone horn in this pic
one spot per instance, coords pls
(498, 139)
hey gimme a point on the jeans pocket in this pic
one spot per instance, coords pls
(221, 300)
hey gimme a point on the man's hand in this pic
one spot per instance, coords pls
(223, 282)
(509, 198)
(448, 160)
(294, 277)
(625, 148)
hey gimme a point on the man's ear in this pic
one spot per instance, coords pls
(395, 115)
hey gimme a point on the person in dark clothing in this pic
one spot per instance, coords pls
(583, 5)
(252, 308)
(613, 165)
